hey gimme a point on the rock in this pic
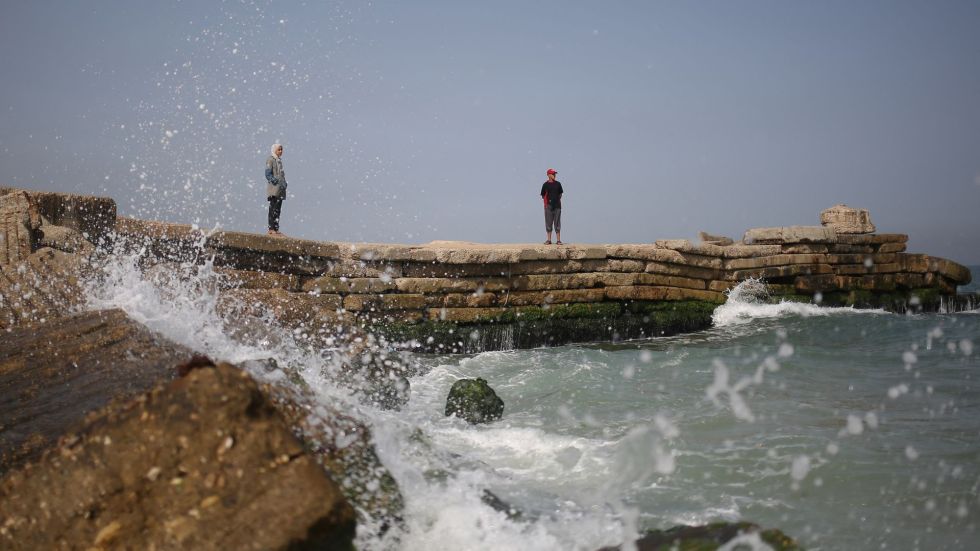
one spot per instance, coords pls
(43, 286)
(54, 373)
(719, 240)
(204, 462)
(93, 217)
(19, 221)
(713, 536)
(845, 219)
(475, 401)
(64, 239)
(791, 234)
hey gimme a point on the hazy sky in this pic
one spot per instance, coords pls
(413, 121)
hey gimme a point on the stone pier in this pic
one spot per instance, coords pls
(462, 297)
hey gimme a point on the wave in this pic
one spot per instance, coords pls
(749, 301)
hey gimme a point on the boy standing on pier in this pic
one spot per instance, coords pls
(275, 187)
(551, 192)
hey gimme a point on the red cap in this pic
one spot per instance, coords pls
(552, 171)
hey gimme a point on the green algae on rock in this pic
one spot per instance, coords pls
(474, 401)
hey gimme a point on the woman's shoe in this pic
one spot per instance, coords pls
(548, 242)
(559, 243)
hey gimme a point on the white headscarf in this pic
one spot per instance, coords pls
(274, 147)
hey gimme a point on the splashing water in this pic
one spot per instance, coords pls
(750, 300)
(601, 442)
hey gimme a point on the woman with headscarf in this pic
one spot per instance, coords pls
(275, 187)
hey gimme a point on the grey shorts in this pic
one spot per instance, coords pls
(552, 216)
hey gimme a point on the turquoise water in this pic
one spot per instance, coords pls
(846, 429)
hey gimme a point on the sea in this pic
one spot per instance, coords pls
(847, 429)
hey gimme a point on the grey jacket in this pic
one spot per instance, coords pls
(275, 177)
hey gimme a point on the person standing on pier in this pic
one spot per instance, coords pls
(551, 193)
(275, 187)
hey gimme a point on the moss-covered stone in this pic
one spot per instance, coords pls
(532, 326)
(710, 537)
(475, 401)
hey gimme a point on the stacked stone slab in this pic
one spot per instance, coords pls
(324, 285)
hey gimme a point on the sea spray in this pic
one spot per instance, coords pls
(750, 300)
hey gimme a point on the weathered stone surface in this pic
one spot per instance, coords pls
(436, 285)
(891, 248)
(19, 221)
(791, 234)
(671, 281)
(64, 239)
(274, 244)
(461, 300)
(53, 373)
(719, 240)
(370, 285)
(776, 260)
(358, 303)
(660, 254)
(777, 272)
(251, 279)
(93, 217)
(619, 265)
(558, 296)
(861, 258)
(554, 281)
(869, 239)
(685, 246)
(383, 252)
(655, 293)
(474, 401)
(910, 281)
(684, 271)
(465, 315)
(845, 219)
(740, 250)
(205, 462)
(851, 249)
(346, 267)
(819, 282)
(616, 279)
(292, 310)
(805, 248)
(164, 241)
(269, 261)
(452, 271)
(461, 252)
(43, 286)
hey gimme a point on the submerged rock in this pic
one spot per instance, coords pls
(475, 401)
(713, 536)
(205, 462)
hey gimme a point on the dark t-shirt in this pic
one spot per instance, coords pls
(551, 192)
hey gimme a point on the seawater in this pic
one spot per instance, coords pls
(847, 429)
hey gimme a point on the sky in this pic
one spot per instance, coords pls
(436, 120)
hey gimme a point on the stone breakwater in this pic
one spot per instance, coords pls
(466, 297)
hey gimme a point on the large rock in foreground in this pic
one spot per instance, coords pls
(53, 373)
(474, 400)
(205, 462)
